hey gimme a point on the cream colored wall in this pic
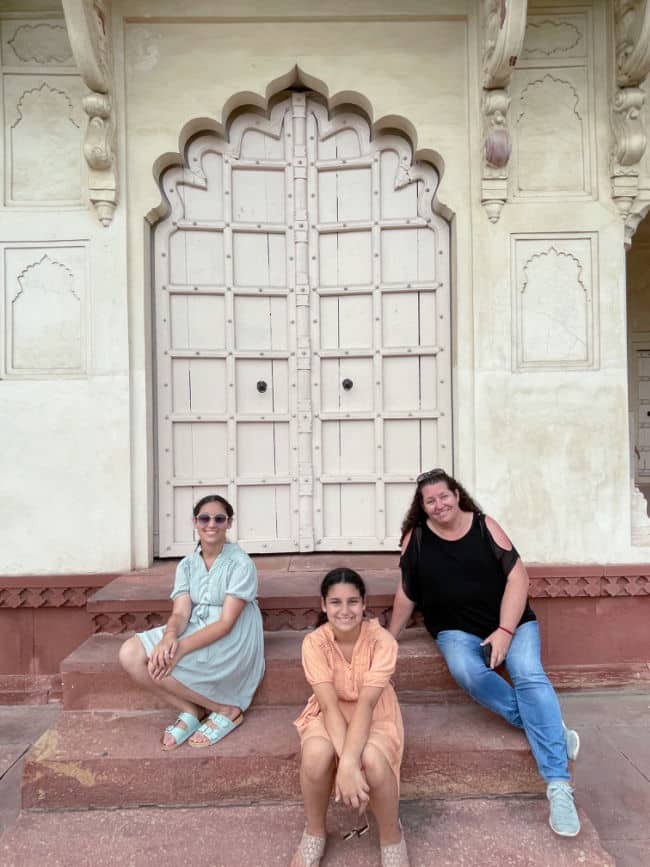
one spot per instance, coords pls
(64, 410)
(551, 441)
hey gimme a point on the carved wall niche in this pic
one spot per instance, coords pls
(555, 36)
(35, 43)
(45, 305)
(555, 301)
(551, 106)
(43, 139)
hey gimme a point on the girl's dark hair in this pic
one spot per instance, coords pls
(416, 514)
(213, 498)
(340, 575)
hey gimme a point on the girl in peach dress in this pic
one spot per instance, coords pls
(351, 729)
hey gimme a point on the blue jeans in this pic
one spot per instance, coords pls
(530, 703)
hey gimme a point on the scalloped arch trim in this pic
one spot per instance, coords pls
(295, 78)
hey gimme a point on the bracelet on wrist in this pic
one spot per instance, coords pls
(506, 630)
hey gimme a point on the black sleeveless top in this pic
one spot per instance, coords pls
(459, 584)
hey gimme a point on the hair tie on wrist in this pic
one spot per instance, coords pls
(506, 630)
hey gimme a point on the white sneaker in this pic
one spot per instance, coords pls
(572, 741)
(563, 817)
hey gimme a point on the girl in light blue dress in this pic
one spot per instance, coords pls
(208, 660)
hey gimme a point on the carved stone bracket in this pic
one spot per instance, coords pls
(89, 28)
(504, 26)
(632, 29)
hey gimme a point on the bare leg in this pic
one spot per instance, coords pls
(317, 770)
(384, 796)
(134, 660)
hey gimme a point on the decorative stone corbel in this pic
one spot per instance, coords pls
(504, 26)
(632, 30)
(89, 28)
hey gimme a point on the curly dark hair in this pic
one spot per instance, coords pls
(416, 514)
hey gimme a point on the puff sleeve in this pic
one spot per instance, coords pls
(316, 661)
(242, 580)
(182, 579)
(383, 660)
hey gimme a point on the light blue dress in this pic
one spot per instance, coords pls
(229, 670)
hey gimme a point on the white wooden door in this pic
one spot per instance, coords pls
(302, 328)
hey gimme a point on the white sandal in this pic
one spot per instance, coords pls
(310, 850)
(395, 854)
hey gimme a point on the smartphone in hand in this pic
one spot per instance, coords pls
(487, 653)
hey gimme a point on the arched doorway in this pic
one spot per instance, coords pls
(302, 303)
(638, 330)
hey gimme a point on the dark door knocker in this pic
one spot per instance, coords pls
(347, 384)
(261, 386)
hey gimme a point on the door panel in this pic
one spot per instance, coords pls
(198, 385)
(259, 259)
(302, 318)
(197, 321)
(204, 204)
(197, 258)
(200, 450)
(346, 259)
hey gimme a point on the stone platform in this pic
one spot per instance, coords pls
(109, 759)
(472, 833)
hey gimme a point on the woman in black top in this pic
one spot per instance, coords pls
(462, 571)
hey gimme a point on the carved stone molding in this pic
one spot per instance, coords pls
(503, 27)
(44, 597)
(139, 621)
(89, 29)
(632, 25)
(632, 33)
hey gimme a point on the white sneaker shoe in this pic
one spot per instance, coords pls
(563, 817)
(572, 740)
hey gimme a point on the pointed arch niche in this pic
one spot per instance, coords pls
(301, 282)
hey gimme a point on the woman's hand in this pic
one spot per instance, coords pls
(351, 786)
(500, 641)
(165, 655)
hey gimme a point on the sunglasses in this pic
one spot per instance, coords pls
(435, 473)
(203, 520)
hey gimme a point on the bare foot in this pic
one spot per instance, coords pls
(177, 736)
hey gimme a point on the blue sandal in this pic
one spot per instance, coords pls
(221, 726)
(179, 733)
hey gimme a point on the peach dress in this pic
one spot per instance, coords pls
(373, 664)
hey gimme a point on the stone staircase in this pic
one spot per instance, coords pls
(103, 754)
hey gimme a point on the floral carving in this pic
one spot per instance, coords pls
(504, 25)
(632, 27)
(58, 98)
(41, 43)
(540, 38)
(88, 23)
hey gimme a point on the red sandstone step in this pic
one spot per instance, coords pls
(93, 678)
(102, 759)
(478, 831)
(288, 600)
